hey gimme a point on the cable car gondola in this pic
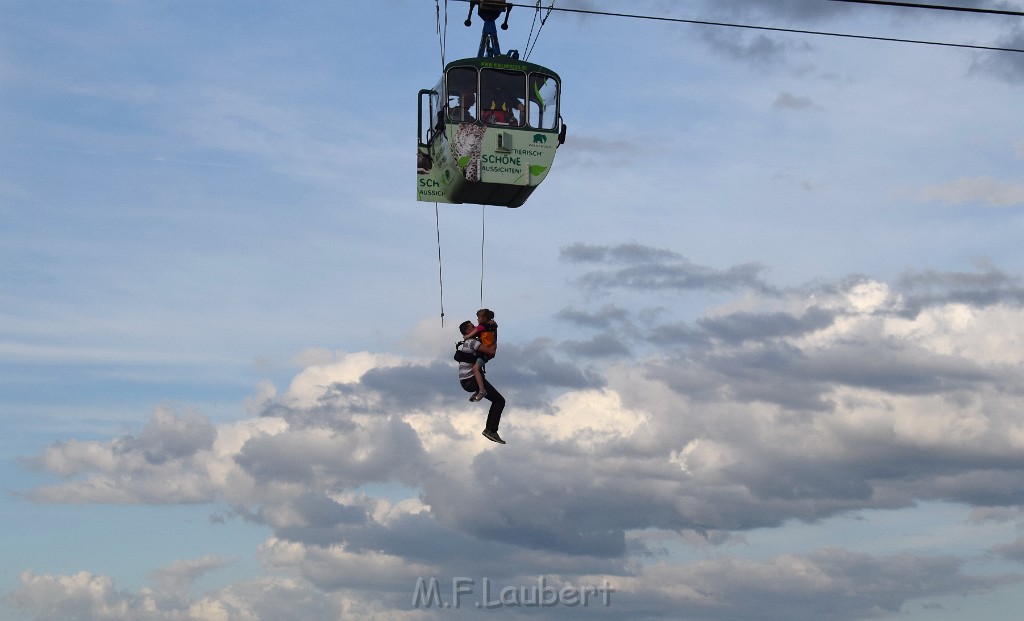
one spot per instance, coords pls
(489, 129)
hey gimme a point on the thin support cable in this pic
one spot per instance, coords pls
(442, 36)
(551, 7)
(483, 238)
(440, 274)
(533, 25)
(442, 33)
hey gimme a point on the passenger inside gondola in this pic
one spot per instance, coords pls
(462, 110)
(462, 95)
(502, 97)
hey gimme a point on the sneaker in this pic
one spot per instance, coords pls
(478, 396)
(493, 436)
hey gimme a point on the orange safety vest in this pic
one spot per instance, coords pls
(489, 337)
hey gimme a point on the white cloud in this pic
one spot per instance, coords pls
(90, 597)
(856, 586)
(334, 567)
(585, 418)
(177, 578)
(345, 368)
(127, 470)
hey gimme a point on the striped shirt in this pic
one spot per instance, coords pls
(466, 368)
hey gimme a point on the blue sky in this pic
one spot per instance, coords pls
(761, 327)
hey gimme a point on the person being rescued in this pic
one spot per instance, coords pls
(486, 331)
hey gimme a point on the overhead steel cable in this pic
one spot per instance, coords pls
(936, 7)
(700, 22)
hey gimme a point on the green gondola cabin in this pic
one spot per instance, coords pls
(488, 130)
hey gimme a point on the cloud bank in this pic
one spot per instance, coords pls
(641, 430)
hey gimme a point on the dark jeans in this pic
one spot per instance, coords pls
(497, 401)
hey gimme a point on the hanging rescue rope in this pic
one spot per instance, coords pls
(483, 238)
(440, 275)
(442, 36)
